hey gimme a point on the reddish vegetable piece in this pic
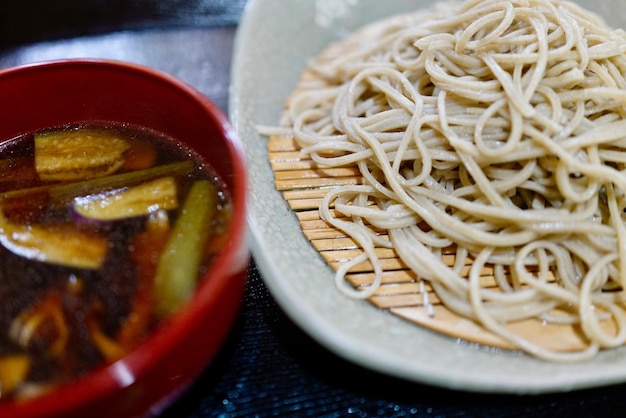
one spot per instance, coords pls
(42, 325)
(146, 249)
(141, 155)
(108, 347)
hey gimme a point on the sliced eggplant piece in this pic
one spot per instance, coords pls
(78, 154)
(56, 244)
(143, 199)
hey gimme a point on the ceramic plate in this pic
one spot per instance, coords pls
(274, 41)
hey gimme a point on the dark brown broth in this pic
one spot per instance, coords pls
(105, 294)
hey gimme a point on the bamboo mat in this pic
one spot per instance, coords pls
(303, 184)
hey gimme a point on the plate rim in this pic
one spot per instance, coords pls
(537, 377)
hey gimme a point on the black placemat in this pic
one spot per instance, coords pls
(44, 20)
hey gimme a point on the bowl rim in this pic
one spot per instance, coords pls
(106, 379)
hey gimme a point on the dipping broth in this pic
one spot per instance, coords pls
(104, 232)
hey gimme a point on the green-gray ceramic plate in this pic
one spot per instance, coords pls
(273, 44)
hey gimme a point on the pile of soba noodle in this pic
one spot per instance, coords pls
(495, 128)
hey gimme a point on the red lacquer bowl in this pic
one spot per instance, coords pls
(44, 95)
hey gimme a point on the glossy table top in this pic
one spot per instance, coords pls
(268, 367)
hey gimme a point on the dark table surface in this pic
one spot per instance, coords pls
(267, 367)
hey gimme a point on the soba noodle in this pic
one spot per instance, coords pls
(495, 128)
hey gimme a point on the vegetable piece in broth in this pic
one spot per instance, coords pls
(179, 264)
(78, 154)
(56, 244)
(159, 194)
